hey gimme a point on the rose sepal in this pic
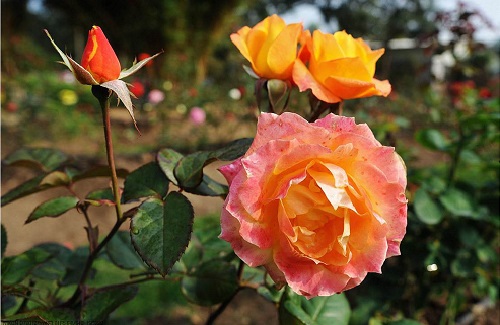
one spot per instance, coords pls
(119, 87)
(136, 66)
(82, 75)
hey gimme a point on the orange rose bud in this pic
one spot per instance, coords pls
(99, 58)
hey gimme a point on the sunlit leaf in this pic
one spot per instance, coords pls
(53, 208)
(101, 197)
(167, 160)
(29, 187)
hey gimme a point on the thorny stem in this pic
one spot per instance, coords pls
(213, 316)
(106, 122)
(103, 95)
(90, 260)
(90, 230)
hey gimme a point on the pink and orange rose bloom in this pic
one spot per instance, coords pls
(319, 205)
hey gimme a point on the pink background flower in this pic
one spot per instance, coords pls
(197, 116)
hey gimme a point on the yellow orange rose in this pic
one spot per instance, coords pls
(270, 46)
(319, 205)
(339, 67)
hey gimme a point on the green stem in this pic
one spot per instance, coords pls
(213, 316)
(103, 95)
(106, 122)
(456, 156)
(90, 261)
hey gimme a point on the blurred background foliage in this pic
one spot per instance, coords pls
(443, 116)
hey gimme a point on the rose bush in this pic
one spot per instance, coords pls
(319, 205)
(339, 67)
(270, 46)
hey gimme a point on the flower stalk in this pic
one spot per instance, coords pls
(103, 95)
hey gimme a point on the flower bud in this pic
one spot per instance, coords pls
(99, 58)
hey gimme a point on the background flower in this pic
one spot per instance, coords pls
(319, 205)
(339, 67)
(197, 116)
(270, 46)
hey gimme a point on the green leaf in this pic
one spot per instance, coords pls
(74, 266)
(98, 171)
(55, 267)
(207, 229)
(53, 208)
(45, 159)
(404, 321)
(432, 139)
(167, 160)
(37, 184)
(213, 282)
(270, 293)
(457, 203)
(233, 150)
(4, 240)
(210, 187)
(41, 316)
(102, 303)
(122, 253)
(101, 197)
(16, 268)
(189, 169)
(191, 258)
(316, 311)
(29, 187)
(161, 231)
(145, 181)
(426, 208)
